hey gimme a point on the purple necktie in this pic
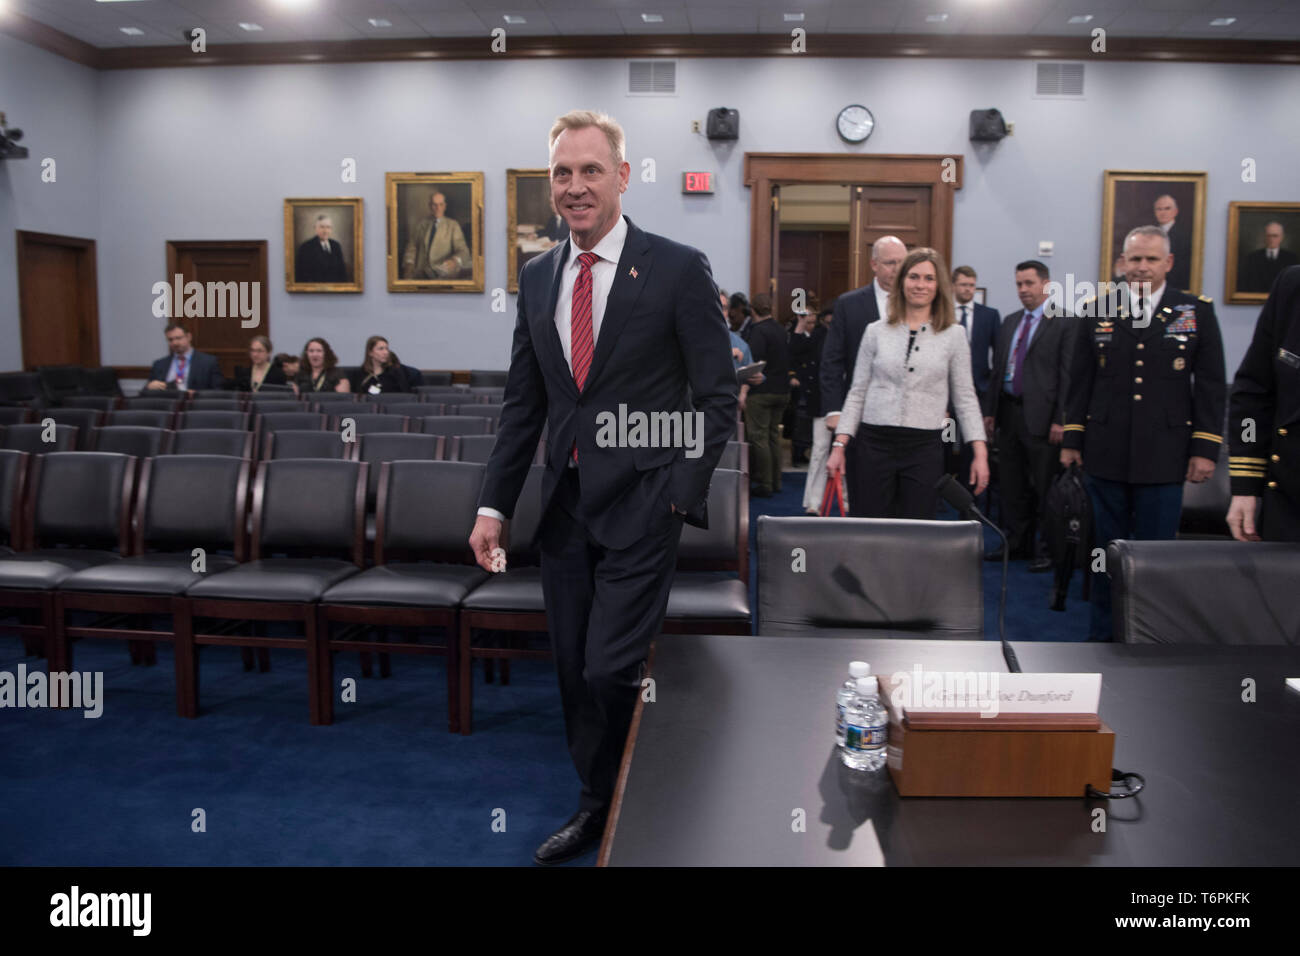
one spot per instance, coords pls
(1022, 346)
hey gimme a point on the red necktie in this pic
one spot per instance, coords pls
(580, 339)
(180, 371)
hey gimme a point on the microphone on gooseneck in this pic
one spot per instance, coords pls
(963, 501)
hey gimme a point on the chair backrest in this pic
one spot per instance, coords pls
(317, 399)
(302, 421)
(14, 468)
(488, 396)
(215, 394)
(295, 443)
(234, 442)
(380, 447)
(426, 509)
(30, 438)
(60, 381)
(82, 418)
(478, 408)
(521, 530)
(102, 402)
(724, 545)
(141, 416)
(408, 408)
(1204, 592)
(442, 393)
(435, 376)
(475, 448)
(159, 402)
(102, 381)
(14, 415)
(735, 457)
(1205, 503)
(371, 423)
(493, 377)
(866, 573)
(310, 505)
(203, 418)
(139, 441)
(277, 396)
(20, 387)
(216, 405)
(81, 498)
(192, 501)
(456, 425)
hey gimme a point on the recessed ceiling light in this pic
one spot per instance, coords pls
(514, 18)
(1223, 21)
(793, 17)
(132, 31)
(652, 18)
(379, 22)
(936, 17)
(251, 27)
(1082, 18)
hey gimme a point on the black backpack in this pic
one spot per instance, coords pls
(1068, 532)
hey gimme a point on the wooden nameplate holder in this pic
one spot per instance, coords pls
(1010, 755)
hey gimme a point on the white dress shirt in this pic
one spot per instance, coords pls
(1151, 304)
(610, 250)
(965, 315)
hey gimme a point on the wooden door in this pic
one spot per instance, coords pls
(242, 261)
(58, 300)
(902, 211)
(814, 260)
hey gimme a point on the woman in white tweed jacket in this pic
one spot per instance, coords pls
(909, 368)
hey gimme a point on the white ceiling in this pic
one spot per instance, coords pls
(164, 21)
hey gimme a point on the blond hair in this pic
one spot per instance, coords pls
(581, 119)
(941, 312)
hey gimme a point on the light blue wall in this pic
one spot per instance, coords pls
(212, 153)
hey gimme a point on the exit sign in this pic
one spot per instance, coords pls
(697, 182)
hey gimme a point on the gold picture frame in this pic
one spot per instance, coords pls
(1247, 278)
(410, 201)
(532, 225)
(308, 267)
(1128, 200)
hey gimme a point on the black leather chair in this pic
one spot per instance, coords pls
(406, 406)
(215, 405)
(325, 401)
(425, 510)
(1205, 504)
(295, 443)
(76, 516)
(442, 393)
(161, 401)
(268, 422)
(139, 441)
(205, 418)
(710, 591)
(369, 424)
(274, 395)
(488, 396)
(380, 447)
(507, 601)
(15, 415)
(20, 388)
(475, 448)
(308, 515)
(105, 403)
(1204, 592)
(141, 416)
(735, 457)
(101, 381)
(215, 394)
(31, 438)
(61, 381)
(457, 425)
(477, 409)
(493, 378)
(183, 502)
(232, 442)
(435, 377)
(922, 577)
(83, 419)
(14, 469)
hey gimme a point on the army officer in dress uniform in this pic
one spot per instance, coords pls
(1145, 405)
(1264, 425)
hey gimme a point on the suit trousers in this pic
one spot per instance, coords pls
(897, 470)
(1125, 511)
(763, 432)
(1026, 465)
(603, 608)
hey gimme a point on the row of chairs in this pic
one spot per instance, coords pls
(231, 415)
(105, 533)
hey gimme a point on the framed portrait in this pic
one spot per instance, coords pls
(1263, 239)
(1172, 200)
(322, 245)
(981, 293)
(532, 224)
(435, 232)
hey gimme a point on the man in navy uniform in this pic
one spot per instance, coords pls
(1264, 425)
(1146, 405)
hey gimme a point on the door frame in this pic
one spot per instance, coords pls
(766, 170)
(87, 281)
(176, 246)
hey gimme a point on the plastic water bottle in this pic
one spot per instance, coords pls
(866, 728)
(847, 690)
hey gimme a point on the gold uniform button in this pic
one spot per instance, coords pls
(1137, 398)
(1272, 484)
(1182, 346)
(1275, 458)
(1188, 422)
(1282, 432)
(1138, 363)
(1138, 380)
(1141, 346)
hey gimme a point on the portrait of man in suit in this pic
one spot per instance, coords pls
(1175, 202)
(1262, 265)
(437, 248)
(612, 317)
(533, 225)
(1165, 210)
(320, 258)
(435, 232)
(322, 245)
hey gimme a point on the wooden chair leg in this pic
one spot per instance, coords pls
(246, 653)
(489, 669)
(367, 666)
(452, 637)
(385, 663)
(510, 642)
(186, 659)
(134, 648)
(465, 679)
(58, 651)
(316, 704)
(263, 660)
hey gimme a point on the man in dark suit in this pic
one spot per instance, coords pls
(612, 321)
(1026, 404)
(1180, 240)
(854, 311)
(1145, 410)
(981, 325)
(320, 259)
(184, 368)
(1264, 265)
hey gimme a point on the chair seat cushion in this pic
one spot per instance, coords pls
(517, 590)
(48, 568)
(701, 594)
(289, 580)
(146, 574)
(407, 584)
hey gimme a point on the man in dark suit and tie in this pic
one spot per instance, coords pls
(1264, 265)
(320, 258)
(184, 368)
(854, 311)
(612, 321)
(1180, 240)
(981, 325)
(1026, 402)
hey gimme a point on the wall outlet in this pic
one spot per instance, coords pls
(1011, 128)
(695, 126)
(1045, 248)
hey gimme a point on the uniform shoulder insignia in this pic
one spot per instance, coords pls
(1205, 298)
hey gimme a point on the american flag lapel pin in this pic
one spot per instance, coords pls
(632, 272)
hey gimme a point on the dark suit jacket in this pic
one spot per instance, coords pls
(202, 373)
(854, 311)
(983, 343)
(314, 264)
(1180, 244)
(243, 380)
(1046, 376)
(659, 337)
(1259, 271)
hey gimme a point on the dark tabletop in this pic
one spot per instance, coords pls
(739, 740)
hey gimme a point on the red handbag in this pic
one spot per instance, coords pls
(834, 493)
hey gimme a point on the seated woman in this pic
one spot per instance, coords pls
(289, 365)
(380, 370)
(318, 369)
(262, 370)
(909, 369)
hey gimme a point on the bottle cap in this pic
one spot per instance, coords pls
(859, 669)
(868, 686)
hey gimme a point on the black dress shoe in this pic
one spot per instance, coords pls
(1040, 564)
(581, 834)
